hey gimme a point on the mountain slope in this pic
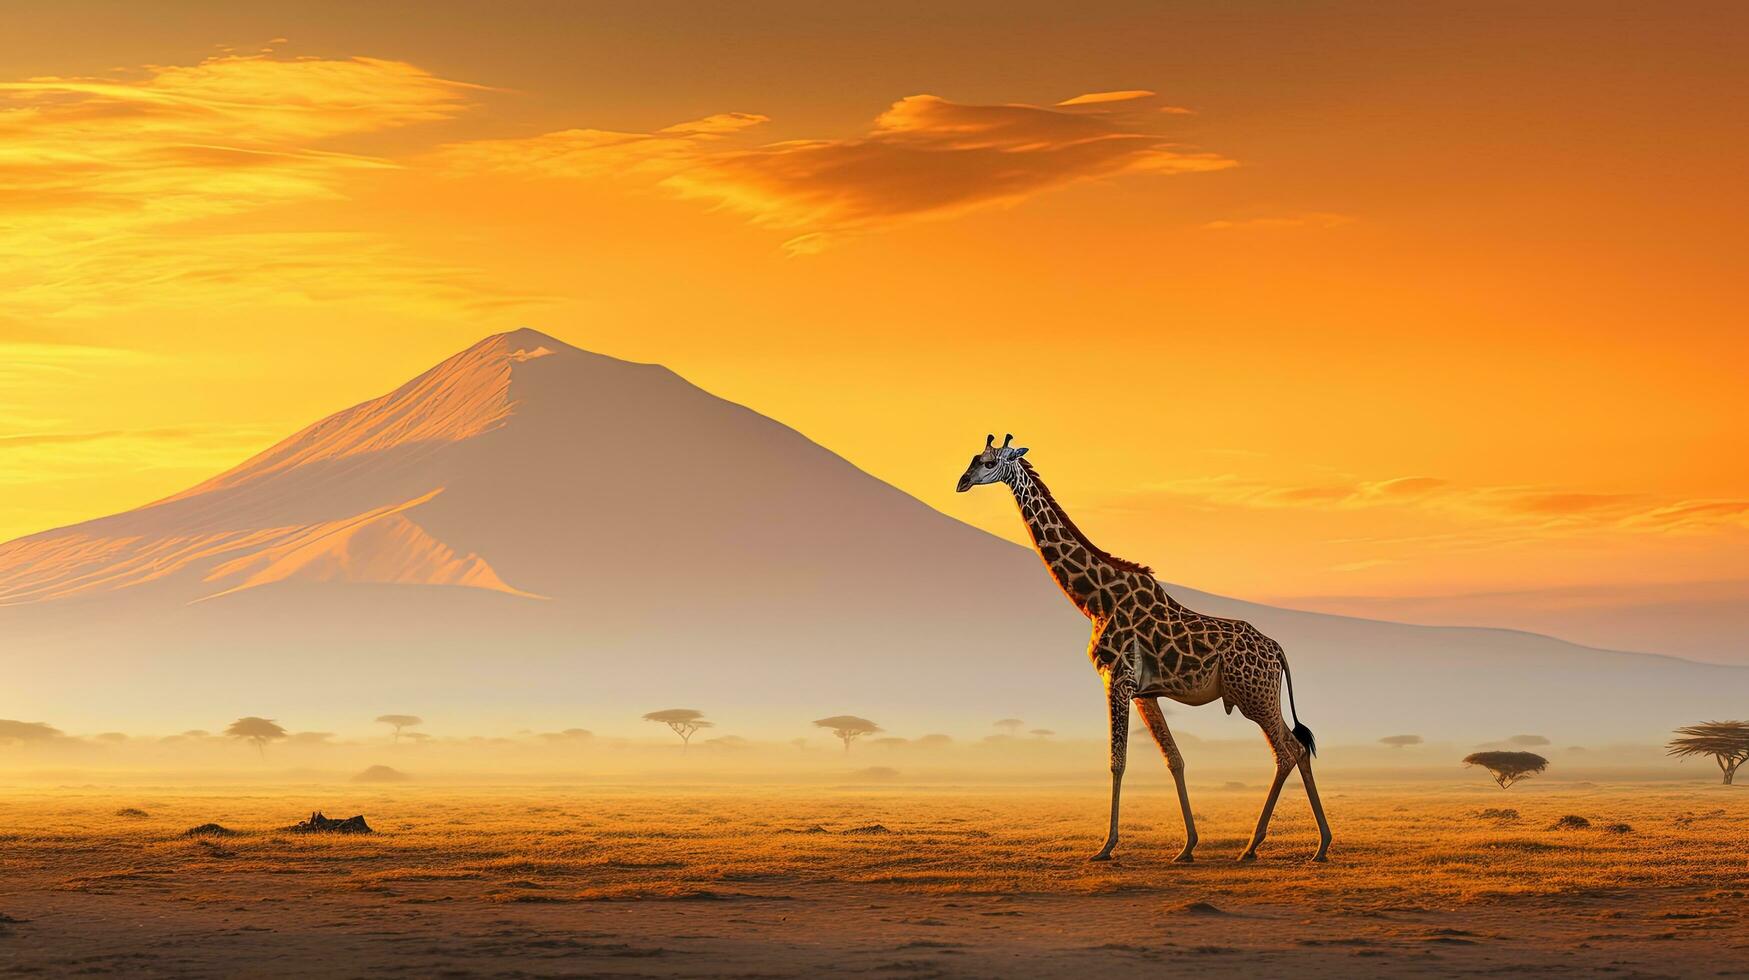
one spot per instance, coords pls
(531, 531)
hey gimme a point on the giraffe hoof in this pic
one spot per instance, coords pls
(1321, 858)
(1101, 856)
(1184, 858)
(1248, 856)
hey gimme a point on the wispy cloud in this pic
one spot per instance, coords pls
(1518, 507)
(63, 438)
(30, 363)
(580, 153)
(924, 157)
(286, 269)
(1689, 515)
(104, 177)
(231, 133)
(1303, 219)
(49, 456)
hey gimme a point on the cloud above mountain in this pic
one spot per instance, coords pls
(924, 157)
(178, 142)
(99, 172)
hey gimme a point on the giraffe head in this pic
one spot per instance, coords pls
(992, 465)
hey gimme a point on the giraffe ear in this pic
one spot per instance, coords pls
(1020, 452)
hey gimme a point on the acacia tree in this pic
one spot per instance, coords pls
(1010, 725)
(684, 722)
(1508, 767)
(1398, 741)
(1726, 741)
(260, 731)
(400, 722)
(847, 727)
(1041, 733)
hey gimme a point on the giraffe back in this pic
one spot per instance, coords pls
(1182, 654)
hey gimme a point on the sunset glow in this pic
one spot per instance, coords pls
(1392, 337)
(796, 489)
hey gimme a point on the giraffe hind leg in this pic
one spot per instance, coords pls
(1317, 806)
(1286, 754)
(1256, 689)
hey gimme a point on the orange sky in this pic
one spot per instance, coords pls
(1330, 300)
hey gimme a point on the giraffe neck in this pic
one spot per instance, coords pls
(1083, 571)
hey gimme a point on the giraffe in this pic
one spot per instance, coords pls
(1147, 646)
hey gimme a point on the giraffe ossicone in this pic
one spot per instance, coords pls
(1147, 646)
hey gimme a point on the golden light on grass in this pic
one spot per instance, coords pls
(859, 873)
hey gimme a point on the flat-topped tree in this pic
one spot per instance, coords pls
(684, 722)
(1399, 741)
(1508, 767)
(1010, 726)
(400, 722)
(258, 731)
(847, 727)
(1726, 741)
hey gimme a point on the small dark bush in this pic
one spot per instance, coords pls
(1571, 821)
(209, 830)
(381, 774)
(131, 811)
(318, 824)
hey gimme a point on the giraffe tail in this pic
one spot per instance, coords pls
(1302, 734)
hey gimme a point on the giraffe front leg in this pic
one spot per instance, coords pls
(1118, 691)
(1156, 720)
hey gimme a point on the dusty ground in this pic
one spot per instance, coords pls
(781, 883)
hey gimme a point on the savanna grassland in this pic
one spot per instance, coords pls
(900, 882)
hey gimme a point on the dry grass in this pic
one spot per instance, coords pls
(590, 843)
(1396, 850)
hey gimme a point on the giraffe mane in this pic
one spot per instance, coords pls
(1121, 564)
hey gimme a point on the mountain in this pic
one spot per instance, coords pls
(531, 532)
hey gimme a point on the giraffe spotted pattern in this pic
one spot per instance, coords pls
(1146, 645)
